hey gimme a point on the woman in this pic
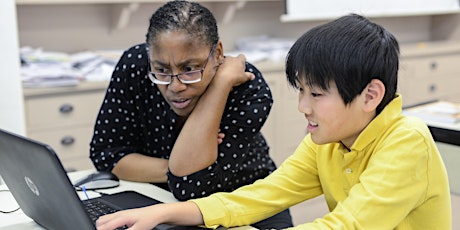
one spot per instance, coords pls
(179, 114)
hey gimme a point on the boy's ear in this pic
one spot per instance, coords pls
(373, 93)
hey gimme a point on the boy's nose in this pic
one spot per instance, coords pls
(304, 106)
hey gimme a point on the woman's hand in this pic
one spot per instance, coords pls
(233, 70)
(220, 137)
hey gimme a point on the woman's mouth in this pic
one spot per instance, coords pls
(180, 103)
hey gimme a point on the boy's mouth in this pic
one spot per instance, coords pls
(311, 126)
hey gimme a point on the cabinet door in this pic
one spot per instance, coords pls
(428, 78)
(70, 144)
(436, 65)
(62, 110)
(64, 120)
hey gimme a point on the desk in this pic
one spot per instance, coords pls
(447, 137)
(19, 221)
(445, 133)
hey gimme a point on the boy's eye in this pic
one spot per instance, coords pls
(315, 94)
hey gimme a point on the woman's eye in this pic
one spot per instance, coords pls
(160, 70)
(188, 68)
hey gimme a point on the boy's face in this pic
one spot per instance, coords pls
(329, 119)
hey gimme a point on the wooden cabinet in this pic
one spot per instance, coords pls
(64, 117)
(429, 71)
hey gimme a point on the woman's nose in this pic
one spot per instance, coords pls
(176, 85)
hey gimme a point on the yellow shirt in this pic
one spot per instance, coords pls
(392, 178)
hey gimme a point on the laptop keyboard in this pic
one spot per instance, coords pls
(96, 208)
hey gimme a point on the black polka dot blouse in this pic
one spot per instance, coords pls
(135, 118)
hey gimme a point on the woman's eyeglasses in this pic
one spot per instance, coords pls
(186, 77)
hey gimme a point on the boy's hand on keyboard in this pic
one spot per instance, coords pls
(131, 218)
(179, 213)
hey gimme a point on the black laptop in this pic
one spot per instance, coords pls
(35, 176)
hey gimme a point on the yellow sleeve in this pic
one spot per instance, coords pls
(294, 181)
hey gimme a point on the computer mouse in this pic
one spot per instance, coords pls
(98, 180)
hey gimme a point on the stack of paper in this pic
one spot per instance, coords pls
(47, 69)
(50, 69)
(439, 111)
(262, 48)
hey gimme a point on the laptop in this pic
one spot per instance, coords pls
(37, 180)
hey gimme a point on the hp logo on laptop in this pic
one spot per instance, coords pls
(32, 186)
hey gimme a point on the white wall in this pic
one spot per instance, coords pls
(313, 9)
(11, 99)
(76, 27)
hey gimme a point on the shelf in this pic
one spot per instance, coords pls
(50, 2)
(123, 9)
(427, 49)
(298, 18)
(313, 10)
(84, 86)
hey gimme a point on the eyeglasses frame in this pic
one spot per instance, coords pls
(152, 77)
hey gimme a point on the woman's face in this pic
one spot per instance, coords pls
(176, 52)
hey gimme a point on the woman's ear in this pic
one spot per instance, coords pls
(219, 52)
(373, 93)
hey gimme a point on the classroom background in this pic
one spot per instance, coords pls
(91, 34)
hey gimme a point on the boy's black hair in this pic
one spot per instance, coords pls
(350, 51)
(190, 17)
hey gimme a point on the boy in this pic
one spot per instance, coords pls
(376, 168)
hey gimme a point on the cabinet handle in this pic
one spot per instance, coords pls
(67, 140)
(434, 65)
(432, 88)
(66, 108)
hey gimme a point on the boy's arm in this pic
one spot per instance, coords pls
(180, 213)
(295, 180)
